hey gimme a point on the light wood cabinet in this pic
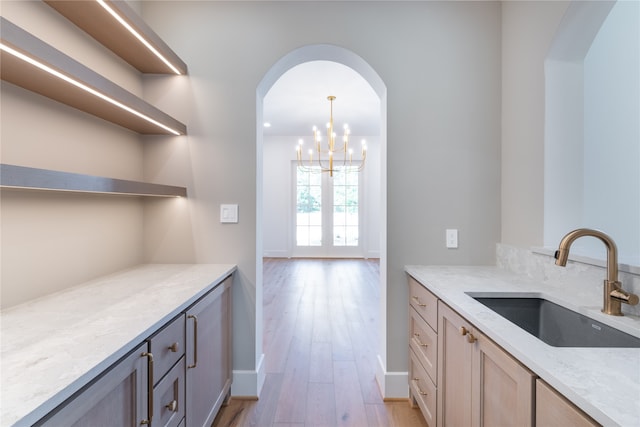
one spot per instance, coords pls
(208, 355)
(479, 384)
(117, 398)
(459, 377)
(423, 350)
(554, 410)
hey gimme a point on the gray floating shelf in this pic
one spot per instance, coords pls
(27, 178)
(99, 24)
(23, 74)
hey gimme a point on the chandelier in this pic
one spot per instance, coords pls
(328, 158)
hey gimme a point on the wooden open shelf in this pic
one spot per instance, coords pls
(27, 178)
(30, 77)
(99, 24)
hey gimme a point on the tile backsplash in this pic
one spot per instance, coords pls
(541, 267)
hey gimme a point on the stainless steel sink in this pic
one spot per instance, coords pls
(556, 325)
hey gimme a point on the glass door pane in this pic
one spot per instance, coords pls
(308, 209)
(345, 208)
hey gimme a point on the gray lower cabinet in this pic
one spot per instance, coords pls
(178, 377)
(117, 398)
(208, 355)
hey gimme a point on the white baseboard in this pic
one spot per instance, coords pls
(393, 385)
(276, 254)
(249, 383)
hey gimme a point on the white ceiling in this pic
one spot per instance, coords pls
(298, 101)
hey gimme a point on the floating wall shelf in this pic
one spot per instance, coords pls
(124, 109)
(21, 177)
(94, 19)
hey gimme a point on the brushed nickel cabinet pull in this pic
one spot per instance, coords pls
(172, 406)
(174, 347)
(195, 340)
(149, 356)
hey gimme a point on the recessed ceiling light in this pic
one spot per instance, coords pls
(267, 124)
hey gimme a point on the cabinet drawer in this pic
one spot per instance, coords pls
(422, 389)
(168, 398)
(167, 346)
(425, 303)
(424, 342)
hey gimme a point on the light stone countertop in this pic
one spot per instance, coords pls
(54, 345)
(603, 382)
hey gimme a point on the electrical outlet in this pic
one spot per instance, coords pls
(452, 238)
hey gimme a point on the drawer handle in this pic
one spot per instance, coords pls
(422, 393)
(417, 335)
(195, 340)
(174, 347)
(149, 356)
(172, 406)
(470, 338)
(418, 301)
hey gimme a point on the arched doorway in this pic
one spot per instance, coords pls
(320, 52)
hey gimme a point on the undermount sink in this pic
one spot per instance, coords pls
(556, 325)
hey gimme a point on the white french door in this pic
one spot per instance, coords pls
(328, 213)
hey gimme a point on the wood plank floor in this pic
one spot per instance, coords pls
(321, 346)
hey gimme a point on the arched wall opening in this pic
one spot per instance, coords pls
(322, 52)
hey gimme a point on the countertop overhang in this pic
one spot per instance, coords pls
(55, 345)
(603, 382)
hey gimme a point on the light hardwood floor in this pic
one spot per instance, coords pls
(320, 345)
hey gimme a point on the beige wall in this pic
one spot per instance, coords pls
(54, 240)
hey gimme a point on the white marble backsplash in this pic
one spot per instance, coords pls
(541, 267)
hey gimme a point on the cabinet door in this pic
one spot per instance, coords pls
(168, 398)
(502, 389)
(208, 355)
(118, 398)
(554, 410)
(454, 369)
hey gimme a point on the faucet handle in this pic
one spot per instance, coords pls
(624, 296)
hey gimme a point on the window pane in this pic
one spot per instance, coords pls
(338, 236)
(352, 236)
(338, 216)
(315, 218)
(352, 178)
(302, 236)
(302, 178)
(351, 218)
(308, 207)
(302, 218)
(315, 236)
(315, 178)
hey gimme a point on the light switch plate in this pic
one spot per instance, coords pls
(452, 238)
(229, 213)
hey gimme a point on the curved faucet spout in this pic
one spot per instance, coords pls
(613, 294)
(562, 254)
